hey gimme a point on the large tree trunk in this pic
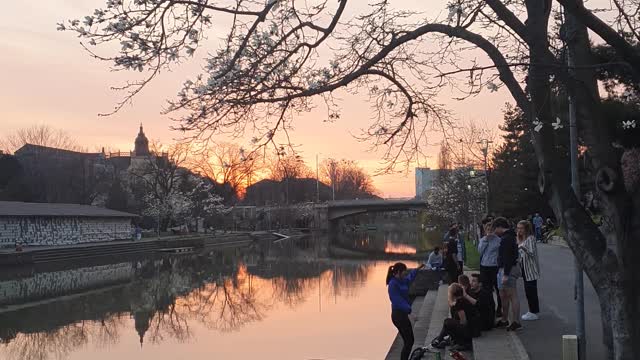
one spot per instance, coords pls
(610, 270)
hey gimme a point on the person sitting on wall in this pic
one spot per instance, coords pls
(484, 302)
(434, 262)
(463, 325)
(463, 280)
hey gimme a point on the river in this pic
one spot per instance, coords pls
(290, 299)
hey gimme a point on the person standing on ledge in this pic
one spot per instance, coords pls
(398, 283)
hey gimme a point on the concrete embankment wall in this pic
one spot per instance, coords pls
(62, 230)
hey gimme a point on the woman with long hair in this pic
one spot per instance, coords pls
(528, 252)
(398, 282)
(464, 323)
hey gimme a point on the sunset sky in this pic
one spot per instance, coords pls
(48, 79)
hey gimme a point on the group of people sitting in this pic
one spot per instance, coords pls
(505, 257)
(472, 311)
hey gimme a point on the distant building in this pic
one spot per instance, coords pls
(424, 181)
(136, 158)
(64, 176)
(35, 224)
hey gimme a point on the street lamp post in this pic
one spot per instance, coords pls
(485, 152)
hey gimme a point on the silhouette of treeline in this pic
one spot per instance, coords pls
(45, 173)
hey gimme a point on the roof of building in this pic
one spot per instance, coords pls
(16, 208)
(29, 148)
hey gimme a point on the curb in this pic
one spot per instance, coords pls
(519, 352)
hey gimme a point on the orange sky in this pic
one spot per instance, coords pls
(47, 78)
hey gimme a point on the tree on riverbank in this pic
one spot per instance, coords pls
(269, 67)
(347, 179)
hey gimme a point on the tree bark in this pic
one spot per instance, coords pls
(611, 272)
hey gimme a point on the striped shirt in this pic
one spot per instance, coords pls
(529, 258)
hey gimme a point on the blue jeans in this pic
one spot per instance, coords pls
(538, 231)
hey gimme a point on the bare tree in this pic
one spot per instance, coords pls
(347, 179)
(42, 135)
(282, 166)
(270, 67)
(228, 163)
(466, 144)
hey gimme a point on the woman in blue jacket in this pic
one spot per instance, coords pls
(398, 285)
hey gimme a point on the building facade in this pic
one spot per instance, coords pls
(424, 181)
(40, 224)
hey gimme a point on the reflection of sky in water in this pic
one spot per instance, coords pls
(273, 309)
(393, 241)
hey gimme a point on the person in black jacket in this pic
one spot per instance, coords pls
(485, 304)
(451, 263)
(508, 273)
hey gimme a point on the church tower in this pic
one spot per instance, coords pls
(142, 144)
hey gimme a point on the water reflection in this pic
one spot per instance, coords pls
(395, 241)
(168, 298)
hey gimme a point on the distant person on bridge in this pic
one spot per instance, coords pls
(398, 283)
(434, 262)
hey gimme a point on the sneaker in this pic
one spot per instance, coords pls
(514, 326)
(501, 324)
(438, 344)
(529, 316)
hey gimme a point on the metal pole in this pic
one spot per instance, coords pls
(317, 180)
(333, 180)
(486, 178)
(575, 184)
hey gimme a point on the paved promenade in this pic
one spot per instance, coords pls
(543, 338)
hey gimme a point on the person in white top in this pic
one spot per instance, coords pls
(434, 262)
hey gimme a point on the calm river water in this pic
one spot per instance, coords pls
(293, 299)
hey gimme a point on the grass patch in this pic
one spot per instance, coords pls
(473, 257)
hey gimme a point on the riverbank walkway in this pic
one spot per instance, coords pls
(428, 313)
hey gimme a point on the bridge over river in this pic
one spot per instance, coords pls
(343, 208)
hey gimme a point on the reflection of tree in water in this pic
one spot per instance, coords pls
(60, 342)
(347, 278)
(167, 296)
(226, 304)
